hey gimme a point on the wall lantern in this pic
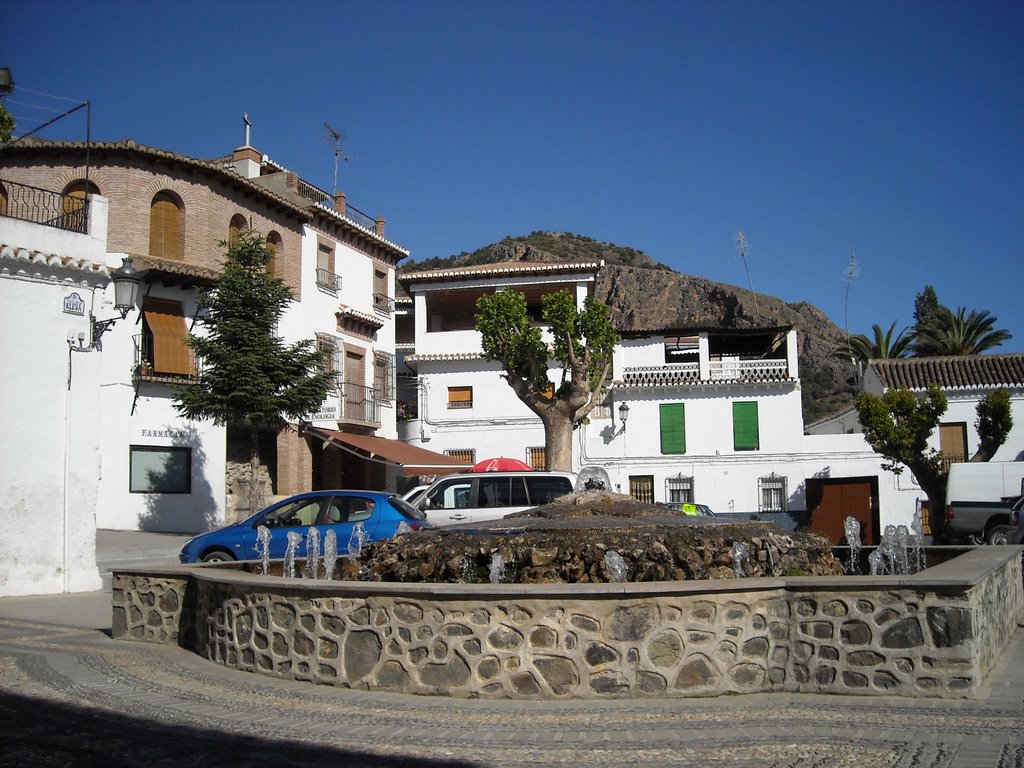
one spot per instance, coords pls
(623, 415)
(126, 282)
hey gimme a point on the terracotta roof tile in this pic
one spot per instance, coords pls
(966, 372)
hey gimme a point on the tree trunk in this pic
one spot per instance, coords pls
(558, 441)
(254, 468)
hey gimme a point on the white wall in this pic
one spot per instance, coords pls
(49, 419)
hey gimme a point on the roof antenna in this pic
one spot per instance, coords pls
(248, 125)
(336, 137)
(744, 249)
(852, 270)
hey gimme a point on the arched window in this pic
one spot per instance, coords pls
(165, 236)
(237, 227)
(274, 245)
(73, 204)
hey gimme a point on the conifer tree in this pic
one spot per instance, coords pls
(250, 378)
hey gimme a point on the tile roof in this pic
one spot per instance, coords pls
(965, 372)
(24, 261)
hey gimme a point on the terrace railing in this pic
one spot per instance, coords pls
(43, 206)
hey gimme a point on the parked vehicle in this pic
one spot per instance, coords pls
(473, 497)
(380, 514)
(694, 510)
(413, 495)
(1016, 535)
(979, 495)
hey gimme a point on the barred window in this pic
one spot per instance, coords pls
(772, 493)
(537, 457)
(329, 345)
(679, 490)
(604, 410)
(467, 455)
(641, 488)
(384, 376)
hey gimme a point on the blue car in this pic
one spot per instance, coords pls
(380, 513)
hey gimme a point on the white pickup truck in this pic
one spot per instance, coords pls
(979, 495)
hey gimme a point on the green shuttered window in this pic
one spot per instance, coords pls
(745, 436)
(673, 428)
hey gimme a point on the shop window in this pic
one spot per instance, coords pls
(160, 469)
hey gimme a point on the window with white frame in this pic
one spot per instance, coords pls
(679, 489)
(772, 493)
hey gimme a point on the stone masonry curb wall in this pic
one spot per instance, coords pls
(933, 634)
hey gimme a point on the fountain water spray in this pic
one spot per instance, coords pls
(356, 541)
(263, 547)
(615, 566)
(313, 552)
(852, 527)
(740, 554)
(876, 563)
(902, 556)
(917, 540)
(294, 537)
(330, 554)
(497, 570)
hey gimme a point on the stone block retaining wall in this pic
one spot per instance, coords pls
(931, 634)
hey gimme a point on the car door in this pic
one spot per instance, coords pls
(448, 501)
(291, 515)
(343, 515)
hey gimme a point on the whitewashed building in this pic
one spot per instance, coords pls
(712, 415)
(170, 214)
(50, 277)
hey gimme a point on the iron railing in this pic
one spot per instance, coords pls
(359, 403)
(42, 206)
(317, 195)
(327, 280)
(144, 370)
(383, 303)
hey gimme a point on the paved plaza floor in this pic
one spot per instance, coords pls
(72, 696)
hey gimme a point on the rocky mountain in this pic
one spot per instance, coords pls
(642, 294)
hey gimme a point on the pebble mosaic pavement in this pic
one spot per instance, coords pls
(75, 697)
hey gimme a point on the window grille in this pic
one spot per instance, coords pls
(679, 490)
(772, 492)
(537, 457)
(384, 376)
(467, 455)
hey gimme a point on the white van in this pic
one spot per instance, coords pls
(476, 496)
(979, 495)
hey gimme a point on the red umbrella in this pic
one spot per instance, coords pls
(501, 464)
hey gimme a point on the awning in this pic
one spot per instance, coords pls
(413, 459)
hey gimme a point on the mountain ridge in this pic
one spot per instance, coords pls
(645, 295)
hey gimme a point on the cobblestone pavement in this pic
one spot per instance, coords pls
(72, 696)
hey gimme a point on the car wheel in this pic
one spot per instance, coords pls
(217, 556)
(999, 534)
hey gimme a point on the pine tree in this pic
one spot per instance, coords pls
(249, 377)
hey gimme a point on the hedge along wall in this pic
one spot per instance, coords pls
(936, 633)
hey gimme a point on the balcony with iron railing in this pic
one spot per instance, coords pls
(383, 303)
(328, 281)
(359, 404)
(42, 206)
(143, 368)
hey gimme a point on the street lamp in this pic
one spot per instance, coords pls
(126, 282)
(623, 415)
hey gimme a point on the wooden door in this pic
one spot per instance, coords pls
(830, 502)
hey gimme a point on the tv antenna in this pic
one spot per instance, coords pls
(849, 275)
(744, 250)
(335, 137)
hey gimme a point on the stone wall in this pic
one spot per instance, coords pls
(932, 634)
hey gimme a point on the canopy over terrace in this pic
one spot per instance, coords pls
(413, 459)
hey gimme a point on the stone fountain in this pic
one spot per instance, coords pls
(538, 606)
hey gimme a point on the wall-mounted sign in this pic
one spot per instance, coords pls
(74, 304)
(326, 413)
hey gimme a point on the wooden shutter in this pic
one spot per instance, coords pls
(744, 427)
(673, 428)
(166, 322)
(460, 397)
(164, 227)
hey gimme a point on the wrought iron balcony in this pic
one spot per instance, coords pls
(328, 281)
(41, 206)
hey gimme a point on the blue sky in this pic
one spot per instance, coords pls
(890, 130)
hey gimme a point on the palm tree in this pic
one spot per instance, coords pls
(958, 334)
(860, 348)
